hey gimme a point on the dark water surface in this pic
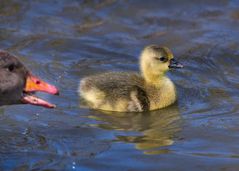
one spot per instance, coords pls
(63, 41)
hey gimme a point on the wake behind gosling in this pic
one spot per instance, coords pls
(150, 89)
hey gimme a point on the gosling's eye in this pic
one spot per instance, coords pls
(163, 59)
(11, 68)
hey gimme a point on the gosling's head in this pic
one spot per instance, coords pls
(157, 60)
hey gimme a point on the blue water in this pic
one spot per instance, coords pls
(63, 41)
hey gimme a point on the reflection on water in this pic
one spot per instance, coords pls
(147, 131)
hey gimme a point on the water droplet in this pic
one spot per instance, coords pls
(73, 165)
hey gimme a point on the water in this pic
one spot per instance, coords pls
(63, 41)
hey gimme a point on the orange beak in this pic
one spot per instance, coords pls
(35, 84)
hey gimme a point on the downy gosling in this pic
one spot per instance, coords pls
(133, 92)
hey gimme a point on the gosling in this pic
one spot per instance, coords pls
(133, 92)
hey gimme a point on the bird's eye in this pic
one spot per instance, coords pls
(163, 59)
(11, 67)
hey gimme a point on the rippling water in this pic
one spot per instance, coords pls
(63, 41)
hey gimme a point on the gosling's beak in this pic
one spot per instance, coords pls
(175, 64)
(35, 84)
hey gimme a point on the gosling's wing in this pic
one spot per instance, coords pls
(138, 100)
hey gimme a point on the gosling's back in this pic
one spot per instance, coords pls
(119, 91)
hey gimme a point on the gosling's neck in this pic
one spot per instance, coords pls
(156, 80)
(160, 89)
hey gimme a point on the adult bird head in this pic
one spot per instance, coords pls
(18, 84)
